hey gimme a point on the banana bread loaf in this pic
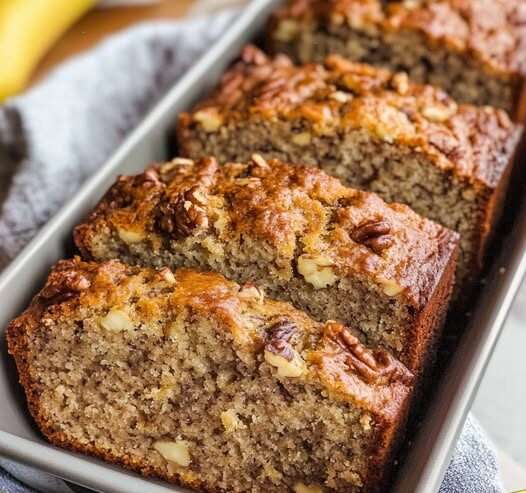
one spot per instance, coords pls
(372, 129)
(334, 252)
(192, 378)
(475, 49)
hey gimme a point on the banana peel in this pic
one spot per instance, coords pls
(28, 28)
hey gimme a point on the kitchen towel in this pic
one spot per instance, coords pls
(59, 133)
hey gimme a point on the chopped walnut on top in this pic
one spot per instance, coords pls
(183, 211)
(372, 365)
(279, 337)
(317, 270)
(279, 352)
(185, 214)
(66, 284)
(374, 235)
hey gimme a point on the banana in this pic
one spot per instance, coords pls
(28, 28)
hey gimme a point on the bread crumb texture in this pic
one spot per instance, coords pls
(206, 383)
(472, 48)
(334, 252)
(372, 129)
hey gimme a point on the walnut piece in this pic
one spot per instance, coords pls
(341, 97)
(151, 178)
(272, 473)
(65, 284)
(231, 421)
(258, 160)
(130, 236)
(176, 326)
(176, 452)
(175, 163)
(183, 211)
(279, 337)
(185, 214)
(253, 55)
(400, 82)
(317, 270)
(293, 368)
(390, 287)
(311, 488)
(302, 139)
(286, 31)
(439, 114)
(167, 275)
(249, 292)
(116, 321)
(365, 421)
(209, 119)
(372, 366)
(374, 235)
(390, 124)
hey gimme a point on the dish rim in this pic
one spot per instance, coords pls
(428, 458)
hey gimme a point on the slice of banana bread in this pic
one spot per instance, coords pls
(197, 380)
(335, 252)
(475, 49)
(372, 129)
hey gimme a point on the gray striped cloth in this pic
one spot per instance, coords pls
(56, 135)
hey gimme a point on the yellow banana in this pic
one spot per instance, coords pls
(28, 28)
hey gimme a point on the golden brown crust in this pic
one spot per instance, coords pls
(367, 376)
(474, 143)
(291, 209)
(19, 346)
(493, 32)
(372, 379)
(59, 298)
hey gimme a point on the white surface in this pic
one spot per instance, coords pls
(513, 474)
(500, 404)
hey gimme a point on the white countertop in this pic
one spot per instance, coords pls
(500, 405)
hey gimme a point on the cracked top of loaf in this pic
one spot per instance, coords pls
(491, 31)
(474, 143)
(299, 218)
(120, 297)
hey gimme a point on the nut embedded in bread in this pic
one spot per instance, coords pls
(474, 49)
(335, 252)
(371, 128)
(192, 378)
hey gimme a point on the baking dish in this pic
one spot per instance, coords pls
(422, 469)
